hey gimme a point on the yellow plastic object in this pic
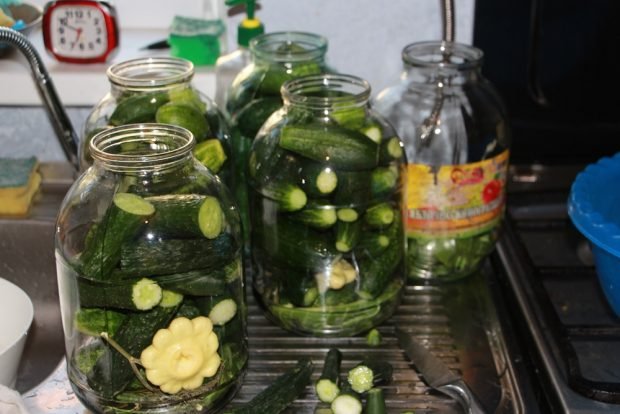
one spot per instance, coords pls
(196, 40)
(19, 182)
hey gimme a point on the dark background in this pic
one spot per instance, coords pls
(556, 63)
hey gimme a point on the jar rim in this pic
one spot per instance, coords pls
(265, 46)
(160, 153)
(150, 72)
(449, 55)
(296, 91)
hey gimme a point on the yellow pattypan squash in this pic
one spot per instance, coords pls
(182, 355)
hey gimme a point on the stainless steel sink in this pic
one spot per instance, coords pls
(27, 259)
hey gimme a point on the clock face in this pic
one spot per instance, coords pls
(78, 31)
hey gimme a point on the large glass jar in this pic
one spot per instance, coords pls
(325, 208)
(148, 254)
(255, 93)
(456, 137)
(159, 89)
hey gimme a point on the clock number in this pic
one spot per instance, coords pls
(79, 14)
(63, 21)
(91, 45)
(96, 20)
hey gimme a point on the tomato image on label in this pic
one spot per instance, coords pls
(491, 191)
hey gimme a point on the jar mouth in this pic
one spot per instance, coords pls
(277, 46)
(447, 55)
(142, 147)
(150, 72)
(309, 91)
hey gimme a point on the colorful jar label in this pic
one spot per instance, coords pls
(456, 200)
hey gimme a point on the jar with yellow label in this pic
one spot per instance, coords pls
(456, 137)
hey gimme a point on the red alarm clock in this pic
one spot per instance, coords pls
(80, 31)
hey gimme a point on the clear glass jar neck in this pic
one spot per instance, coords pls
(429, 61)
(288, 47)
(142, 148)
(147, 74)
(326, 92)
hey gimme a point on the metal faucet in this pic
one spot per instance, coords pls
(60, 121)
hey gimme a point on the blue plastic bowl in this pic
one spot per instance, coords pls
(594, 208)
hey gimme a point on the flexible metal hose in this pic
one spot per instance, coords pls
(60, 121)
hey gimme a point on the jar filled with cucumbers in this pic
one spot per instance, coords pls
(148, 253)
(456, 135)
(325, 208)
(160, 89)
(255, 93)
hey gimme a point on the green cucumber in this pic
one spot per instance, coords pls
(254, 114)
(380, 215)
(318, 180)
(317, 214)
(187, 96)
(112, 372)
(296, 245)
(383, 181)
(276, 76)
(205, 282)
(186, 116)
(334, 297)
(161, 257)
(376, 274)
(375, 402)
(186, 215)
(350, 116)
(137, 109)
(299, 287)
(123, 220)
(143, 294)
(211, 154)
(327, 387)
(288, 196)
(372, 244)
(353, 188)
(390, 150)
(283, 391)
(342, 148)
(93, 321)
(347, 235)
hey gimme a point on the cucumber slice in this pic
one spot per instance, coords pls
(390, 150)
(289, 197)
(211, 217)
(223, 311)
(346, 404)
(347, 215)
(317, 214)
(347, 235)
(170, 299)
(211, 154)
(373, 132)
(327, 388)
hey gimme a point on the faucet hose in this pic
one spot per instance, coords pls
(60, 121)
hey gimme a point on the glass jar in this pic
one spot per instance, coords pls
(159, 89)
(148, 255)
(255, 92)
(456, 137)
(325, 210)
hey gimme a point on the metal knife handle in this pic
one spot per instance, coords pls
(461, 392)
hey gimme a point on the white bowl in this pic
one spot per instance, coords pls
(16, 314)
